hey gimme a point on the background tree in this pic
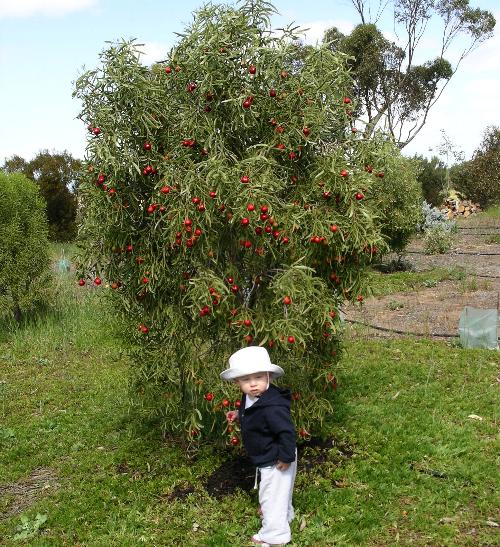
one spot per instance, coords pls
(228, 200)
(479, 178)
(394, 93)
(25, 277)
(432, 177)
(57, 176)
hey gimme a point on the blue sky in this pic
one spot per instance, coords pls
(45, 44)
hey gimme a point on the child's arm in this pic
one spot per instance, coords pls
(280, 423)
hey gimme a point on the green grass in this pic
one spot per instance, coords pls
(403, 405)
(382, 284)
(492, 212)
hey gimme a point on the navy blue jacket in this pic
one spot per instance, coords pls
(267, 429)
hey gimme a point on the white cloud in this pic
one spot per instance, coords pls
(28, 8)
(316, 29)
(152, 52)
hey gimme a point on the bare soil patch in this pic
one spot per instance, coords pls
(436, 310)
(17, 496)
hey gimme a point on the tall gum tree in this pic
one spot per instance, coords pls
(394, 93)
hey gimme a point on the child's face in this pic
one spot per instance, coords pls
(253, 384)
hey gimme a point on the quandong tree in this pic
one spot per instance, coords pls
(228, 200)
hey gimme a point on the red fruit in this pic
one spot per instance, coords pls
(225, 402)
(252, 69)
(165, 189)
(279, 129)
(353, 130)
(292, 155)
(272, 121)
(168, 70)
(291, 339)
(96, 130)
(129, 248)
(344, 173)
(235, 289)
(280, 146)
(247, 104)
(258, 230)
(359, 195)
(327, 195)
(359, 298)
(190, 242)
(264, 208)
(101, 178)
(287, 300)
(247, 322)
(145, 280)
(114, 285)
(151, 209)
(368, 168)
(237, 403)
(81, 282)
(285, 240)
(105, 187)
(247, 244)
(201, 207)
(272, 93)
(268, 229)
(248, 338)
(162, 209)
(112, 192)
(250, 207)
(332, 314)
(195, 200)
(245, 221)
(198, 232)
(296, 396)
(147, 146)
(143, 329)
(245, 179)
(303, 432)
(188, 222)
(381, 174)
(306, 131)
(209, 396)
(347, 100)
(235, 441)
(212, 194)
(97, 281)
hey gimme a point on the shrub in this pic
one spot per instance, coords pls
(437, 240)
(228, 202)
(433, 217)
(432, 177)
(479, 178)
(25, 277)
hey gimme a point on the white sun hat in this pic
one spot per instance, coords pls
(249, 361)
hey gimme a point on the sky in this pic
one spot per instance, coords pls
(46, 44)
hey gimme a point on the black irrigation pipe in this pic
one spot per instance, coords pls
(455, 253)
(495, 227)
(397, 331)
(484, 234)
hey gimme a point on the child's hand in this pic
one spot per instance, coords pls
(232, 415)
(282, 466)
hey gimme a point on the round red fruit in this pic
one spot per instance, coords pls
(333, 228)
(168, 70)
(287, 300)
(291, 339)
(225, 403)
(209, 396)
(247, 103)
(212, 194)
(359, 196)
(245, 221)
(247, 322)
(96, 130)
(252, 69)
(81, 282)
(306, 131)
(235, 441)
(97, 281)
(147, 146)
(272, 93)
(235, 289)
(344, 173)
(245, 179)
(347, 100)
(250, 207)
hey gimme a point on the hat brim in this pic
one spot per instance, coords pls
(233, 373)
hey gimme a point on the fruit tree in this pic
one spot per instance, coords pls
(228, 200)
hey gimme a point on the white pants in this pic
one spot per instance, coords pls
(275, 498)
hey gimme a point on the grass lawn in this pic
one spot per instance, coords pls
(420, 416)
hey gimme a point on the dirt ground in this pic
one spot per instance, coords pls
(436, 310)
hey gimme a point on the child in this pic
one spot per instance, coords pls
(268, 436)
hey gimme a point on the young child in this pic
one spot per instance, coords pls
(269, 438)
